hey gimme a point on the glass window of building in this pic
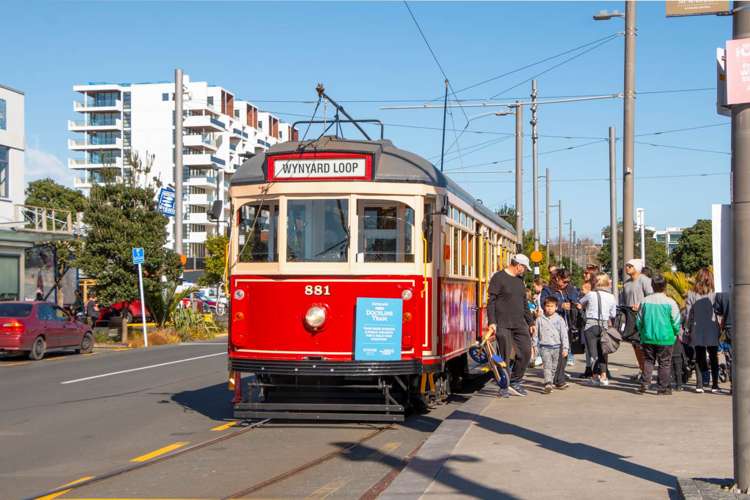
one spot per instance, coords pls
(317, 230)
(210, 100)
(9, 285)
(4, 172)
(257, 232)
(386, 231)
(3, 115)
(165, 96)
(105, 99)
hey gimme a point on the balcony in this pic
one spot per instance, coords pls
(196, 218)
(204, 122)
(81, 126)
(198, 140)
(84, 107)
(85, 163)
(84, 145)
(200, 199)
(204, 181)
(196, 237)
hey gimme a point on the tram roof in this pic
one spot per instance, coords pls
(390, 164)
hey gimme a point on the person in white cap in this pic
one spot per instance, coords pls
(508, 319)
(636, 287)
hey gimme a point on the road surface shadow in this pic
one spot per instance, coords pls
(214, 401)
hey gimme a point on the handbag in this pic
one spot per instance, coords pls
(610, 337)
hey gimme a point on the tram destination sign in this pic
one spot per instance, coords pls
(319, 167)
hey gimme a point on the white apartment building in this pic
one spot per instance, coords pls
(12, 152)
(119, 120)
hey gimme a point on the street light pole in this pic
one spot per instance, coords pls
(613, 209)
(535, 163)
(178, 167)
(628, 133)
(519, 174)
(559, 232)
(741, 286)
(546, 213)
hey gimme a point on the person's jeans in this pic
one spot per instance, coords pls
(592, 337)
(700, 358)
(550, 359)
(519, 339)
(661, 354)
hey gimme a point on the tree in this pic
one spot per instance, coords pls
(507, 213)
(656, 255)
(46, 193)
(120, 216)
(216, 247)
(693, 251)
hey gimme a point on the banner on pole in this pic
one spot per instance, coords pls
(681, 8)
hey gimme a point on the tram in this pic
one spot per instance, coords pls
(355, 268)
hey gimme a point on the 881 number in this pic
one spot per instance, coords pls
(317, 290)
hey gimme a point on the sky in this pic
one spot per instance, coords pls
(274, 53)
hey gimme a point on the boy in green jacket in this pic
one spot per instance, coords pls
(658, 322)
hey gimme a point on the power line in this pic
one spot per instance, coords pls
(687, 129)
(683, 148)
(561, 63)
(606, 179)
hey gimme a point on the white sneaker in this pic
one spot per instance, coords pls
(699, 390)
(604, 382)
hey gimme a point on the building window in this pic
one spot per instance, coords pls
(4, 172)
(105, 99)
(9, 285)
(126, 100)
(236, 113)
(165, 96)
(3, 115)
(210, 100)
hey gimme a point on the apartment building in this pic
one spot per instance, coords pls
(668, 237)
(12, 152)
(118, 121)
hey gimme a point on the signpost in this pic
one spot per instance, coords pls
(378, 330)
(139, 258)
(679, 8)
(166, 201)
(536, 258)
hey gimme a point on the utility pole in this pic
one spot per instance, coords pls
(613, 208)
(575, 251)
(519, 174)
(741, 286)
(546, 213)
(535, 163)
(628, 133)
(178, 167)
(642, 227)
(570, 245)
(559, 231)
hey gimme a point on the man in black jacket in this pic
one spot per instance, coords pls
(508, 318)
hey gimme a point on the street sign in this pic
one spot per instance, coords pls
(139, 257)
(166, 201)
(536, 256)
(721, 83)
(680, 8)
(738, 71)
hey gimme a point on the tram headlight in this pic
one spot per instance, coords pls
(315, 317)
(239, 294)
(407, 294)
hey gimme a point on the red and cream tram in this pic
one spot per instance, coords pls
(338, 249)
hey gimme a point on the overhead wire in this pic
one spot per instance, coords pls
(606, 179)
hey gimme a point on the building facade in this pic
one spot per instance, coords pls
(669, 237)
(120, 122)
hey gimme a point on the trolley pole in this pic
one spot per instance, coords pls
(519, 174)
(178, 167)
(628, 126)
(535, 163)
(546, 214)
(613, 208)
(741, 288)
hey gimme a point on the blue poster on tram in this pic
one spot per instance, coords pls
(378, 330)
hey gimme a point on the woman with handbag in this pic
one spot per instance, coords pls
(601, 307)
(703, 328)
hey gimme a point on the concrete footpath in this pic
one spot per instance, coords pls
(583, 442)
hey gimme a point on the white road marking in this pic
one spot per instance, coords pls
(142, 368)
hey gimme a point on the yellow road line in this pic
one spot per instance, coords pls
(160, 451)
(61, 493)
(15, 363)
(328, 489)
(224, 427)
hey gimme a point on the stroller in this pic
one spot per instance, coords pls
(725, 362)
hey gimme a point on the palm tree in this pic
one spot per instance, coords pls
(678, 285)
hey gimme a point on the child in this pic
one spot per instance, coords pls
(552, 332)
(658, 322)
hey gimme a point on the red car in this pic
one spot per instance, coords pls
(127, 310)
(36, 327)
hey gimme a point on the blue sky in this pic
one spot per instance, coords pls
(276, 51)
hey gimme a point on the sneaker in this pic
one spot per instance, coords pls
(594, 381)
(664, 392)
(547, 388)
(699, 390)
(518, 389)
(604, 382)
(642, 389)
(562, 386)
(571, 362)
(715, 390)
(503, 393)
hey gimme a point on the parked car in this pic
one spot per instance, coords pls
(38, 327)
(215, 303)
(128, 310)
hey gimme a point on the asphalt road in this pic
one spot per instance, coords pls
(70, 417)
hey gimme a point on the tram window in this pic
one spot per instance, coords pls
(386, 230)
(427, 229)
(317, 230)
(257, 232)
(456, 250)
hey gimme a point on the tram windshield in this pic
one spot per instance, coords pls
(385, 231)
(257, 232)
(317, 230)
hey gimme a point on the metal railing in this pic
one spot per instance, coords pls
(45, 220)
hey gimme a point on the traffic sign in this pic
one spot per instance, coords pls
(536, 256)
(139, 257)
(166, 201)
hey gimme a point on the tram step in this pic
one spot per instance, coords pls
(315, 411)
